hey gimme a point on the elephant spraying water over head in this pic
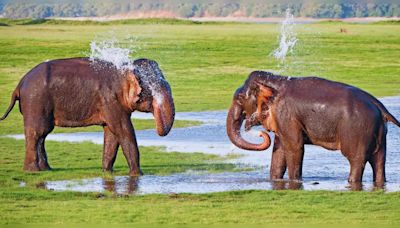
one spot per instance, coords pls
(80, 92)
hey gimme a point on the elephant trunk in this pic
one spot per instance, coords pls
(163, 111)
(233, 124)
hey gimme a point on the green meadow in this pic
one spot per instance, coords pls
(204, 63)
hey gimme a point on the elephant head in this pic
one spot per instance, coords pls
(152, 93)
(251, 103)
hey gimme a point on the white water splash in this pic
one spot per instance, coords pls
(153, 78)
(119, 52)
(112, 50)
(287, 38)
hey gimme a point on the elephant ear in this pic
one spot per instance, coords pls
(265, 94)
(132, 89)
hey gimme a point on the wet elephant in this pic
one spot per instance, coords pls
(79, 92)
(311, 110)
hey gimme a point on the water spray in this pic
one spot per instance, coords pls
(112, 50)
(287, 39)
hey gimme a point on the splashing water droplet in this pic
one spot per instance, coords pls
(111, 50)
(118, 52)
(287, 38)
(152, 78)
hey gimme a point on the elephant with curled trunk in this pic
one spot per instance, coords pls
(311, 110)
(79, 92)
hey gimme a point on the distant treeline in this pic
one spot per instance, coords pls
(200, 8)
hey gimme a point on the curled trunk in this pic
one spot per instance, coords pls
(233, 124)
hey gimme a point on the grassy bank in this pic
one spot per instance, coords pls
(204, 64)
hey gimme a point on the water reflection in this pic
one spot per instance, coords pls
(129, 186)
(206, 183)
(287, 185)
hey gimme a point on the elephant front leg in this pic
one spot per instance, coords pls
(131, 152)
(294, 159)
(278, 161)
(121, 126)
(110, 149)
(294, 152)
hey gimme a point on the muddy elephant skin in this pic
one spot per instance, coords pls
(79, 92)
(311, 110)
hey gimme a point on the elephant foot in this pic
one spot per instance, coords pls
(379, 185)
(135, 173)
(355, 186)
(108, 170)
(273, 177)
(295, 185)
(44, 166)
(354, 180)
(31, 167)
(278, 185)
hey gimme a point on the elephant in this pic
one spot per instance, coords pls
(311, 110)
(78, 92)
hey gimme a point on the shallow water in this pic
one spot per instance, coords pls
(203, 183)
(329, 168)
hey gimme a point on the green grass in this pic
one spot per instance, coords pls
(204, 64)
(249, 207)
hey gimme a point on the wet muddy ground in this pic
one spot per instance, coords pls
(322, 169)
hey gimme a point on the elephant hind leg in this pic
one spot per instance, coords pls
(356, 170)
(378, 165)
(31, 162)
(35, 156)
(42, 155)
(357, 154)
(378, 159)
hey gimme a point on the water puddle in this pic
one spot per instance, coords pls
(329, 168)
(202, 183)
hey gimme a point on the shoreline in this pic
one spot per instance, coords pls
(272, 20)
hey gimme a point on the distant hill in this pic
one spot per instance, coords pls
(200, 8)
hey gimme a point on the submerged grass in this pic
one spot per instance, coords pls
(204, 64)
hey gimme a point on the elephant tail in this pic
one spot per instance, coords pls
(386, 114)
(14, 98)
(391, 118)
